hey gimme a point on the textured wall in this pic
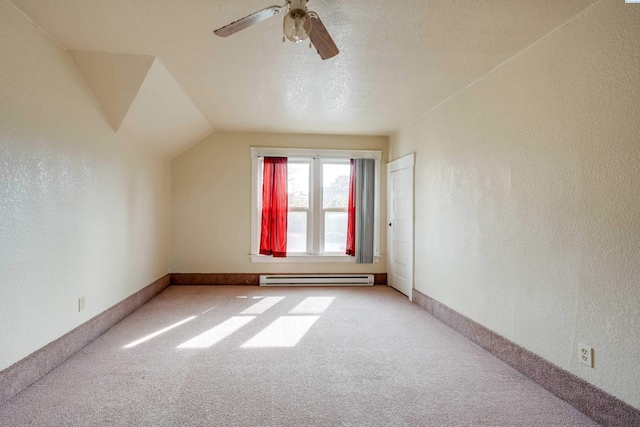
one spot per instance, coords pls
(211, 203)
(82, 213)
(527, 208)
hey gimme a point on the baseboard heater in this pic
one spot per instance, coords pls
(316, 280)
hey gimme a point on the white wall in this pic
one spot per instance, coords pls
(82, 212)
(211, 203)
(527, 197)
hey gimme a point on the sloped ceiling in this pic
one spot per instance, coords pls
(398, 58)
(142, 101)
(114, 79)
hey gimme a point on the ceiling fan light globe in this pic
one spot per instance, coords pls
(297, 25)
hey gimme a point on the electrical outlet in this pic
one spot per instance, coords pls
(585, 355)
(81, 303)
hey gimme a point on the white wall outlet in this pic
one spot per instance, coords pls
(81, 304)
(585, 355)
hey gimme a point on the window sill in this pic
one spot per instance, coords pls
(308, 258)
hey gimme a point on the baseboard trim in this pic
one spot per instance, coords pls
(211, 279)
(250, 279)
(22, 374)
(587, 398)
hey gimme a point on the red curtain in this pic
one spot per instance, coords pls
(351, 224)
(275, 207)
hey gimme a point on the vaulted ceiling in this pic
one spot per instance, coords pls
(398, 59)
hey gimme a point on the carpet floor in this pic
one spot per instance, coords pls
(251, 356)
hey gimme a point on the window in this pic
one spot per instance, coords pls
(299, 217)
(318, 195)
(335, 201)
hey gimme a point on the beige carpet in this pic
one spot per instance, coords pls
(250, 356)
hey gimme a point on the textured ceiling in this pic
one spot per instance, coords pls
(398, 58)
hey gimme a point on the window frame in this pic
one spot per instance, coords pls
(316, 208)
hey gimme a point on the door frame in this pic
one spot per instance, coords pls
(406, 162)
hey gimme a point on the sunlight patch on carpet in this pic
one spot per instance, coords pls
(218, 333)
(161, 331)
(263, 305)
(286, 331)
(313, 305)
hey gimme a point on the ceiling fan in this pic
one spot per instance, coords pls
(299, 24)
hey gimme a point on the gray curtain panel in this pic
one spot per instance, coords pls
(365, 193)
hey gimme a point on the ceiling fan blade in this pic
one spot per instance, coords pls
(248, 21)
(321, 39)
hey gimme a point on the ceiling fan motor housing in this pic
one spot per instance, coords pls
(298, 4)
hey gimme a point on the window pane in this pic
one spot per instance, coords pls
(298, 185)
(335, 185)
(335, 231)
(297, 232)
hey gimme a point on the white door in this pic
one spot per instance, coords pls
(400, 224)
